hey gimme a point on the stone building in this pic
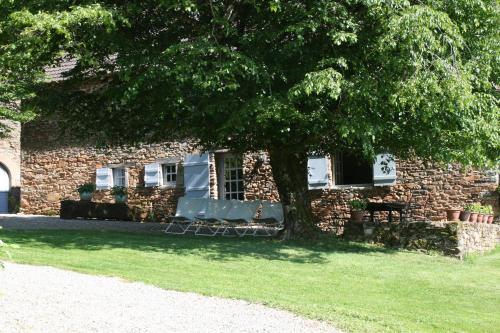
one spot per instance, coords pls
(157, 174)
(10, 168)
(48, 165)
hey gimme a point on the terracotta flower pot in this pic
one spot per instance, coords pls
(464, 216)
(452, 214)
(473, 217)
(480, 218)
(357, 215)
(490, 219)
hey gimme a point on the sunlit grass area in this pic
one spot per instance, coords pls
(357, 287)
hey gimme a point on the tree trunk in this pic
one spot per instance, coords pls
(290, 174)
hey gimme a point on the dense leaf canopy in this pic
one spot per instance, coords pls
(411, 77)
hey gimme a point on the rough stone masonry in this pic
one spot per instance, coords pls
(54, 163)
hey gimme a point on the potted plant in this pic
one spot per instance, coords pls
(86, 191)
(120, 193)
(358, 208)
(474, 211)
(480, 214)
(466, 213)
(453, 214)
(489, 212)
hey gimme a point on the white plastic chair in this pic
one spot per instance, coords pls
(241, 215)
(213, 220)
(186, 215)
(270, 217)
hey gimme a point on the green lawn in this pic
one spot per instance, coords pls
(359, 288)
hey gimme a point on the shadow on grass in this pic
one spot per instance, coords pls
(217, 248)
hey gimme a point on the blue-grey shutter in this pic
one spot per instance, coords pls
(103, 178)
(152, 175)
(317, 172)
(197, 176)
(384, 170)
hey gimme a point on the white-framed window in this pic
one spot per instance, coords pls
(169, 174)
(119, 177)
(230, 177)
(351, 170)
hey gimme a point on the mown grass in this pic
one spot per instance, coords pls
(358, 288)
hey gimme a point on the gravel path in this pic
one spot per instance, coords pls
(43, 299)
(39, 222)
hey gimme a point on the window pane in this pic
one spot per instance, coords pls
(352, 170)
(169, 174)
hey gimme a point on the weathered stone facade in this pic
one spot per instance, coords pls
(10, 153)
(53, 166)
(450, 238)
(10, 161)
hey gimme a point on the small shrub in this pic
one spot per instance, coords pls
(86, 188)
(358, 204)
(119, 190)
(469, 208)
(477, 208)
(488, 209)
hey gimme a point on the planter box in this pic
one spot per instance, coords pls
(93, 210)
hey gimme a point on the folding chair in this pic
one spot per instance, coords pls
(188, 209)
(270, 217)
(241, 216)
(213, 220)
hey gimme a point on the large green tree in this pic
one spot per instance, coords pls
(416, 78)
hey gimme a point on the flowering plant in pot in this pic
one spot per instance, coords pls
(86, 190)
(120, 193)
(453, 214)
(358, 208)
(466, 213)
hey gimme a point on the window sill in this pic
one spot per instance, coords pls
(168, 186)
(353, 187)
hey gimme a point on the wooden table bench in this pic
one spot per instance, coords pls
(399, 207)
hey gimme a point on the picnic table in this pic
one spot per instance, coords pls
(397, 206)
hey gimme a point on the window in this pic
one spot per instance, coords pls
(230, 177)
(119, 177)
(169, 174)
(349, 169)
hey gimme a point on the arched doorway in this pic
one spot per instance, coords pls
(4, 190)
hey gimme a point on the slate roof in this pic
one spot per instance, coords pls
(57, 73)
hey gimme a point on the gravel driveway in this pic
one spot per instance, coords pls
(43, 299)
(39, 222)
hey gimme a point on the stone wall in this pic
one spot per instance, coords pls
(54, 165)
(10, 153)
(431, 189)
(450, 238)
(10, 160)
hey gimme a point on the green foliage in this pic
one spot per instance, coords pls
(86, 188)
(469, 208)
(477, 208)
(322, 76)
(358, 204)
(119, 190)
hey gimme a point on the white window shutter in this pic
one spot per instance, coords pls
(152, 175)
(317, 167)
(103, 178)
(197, 176)
(384, 170)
